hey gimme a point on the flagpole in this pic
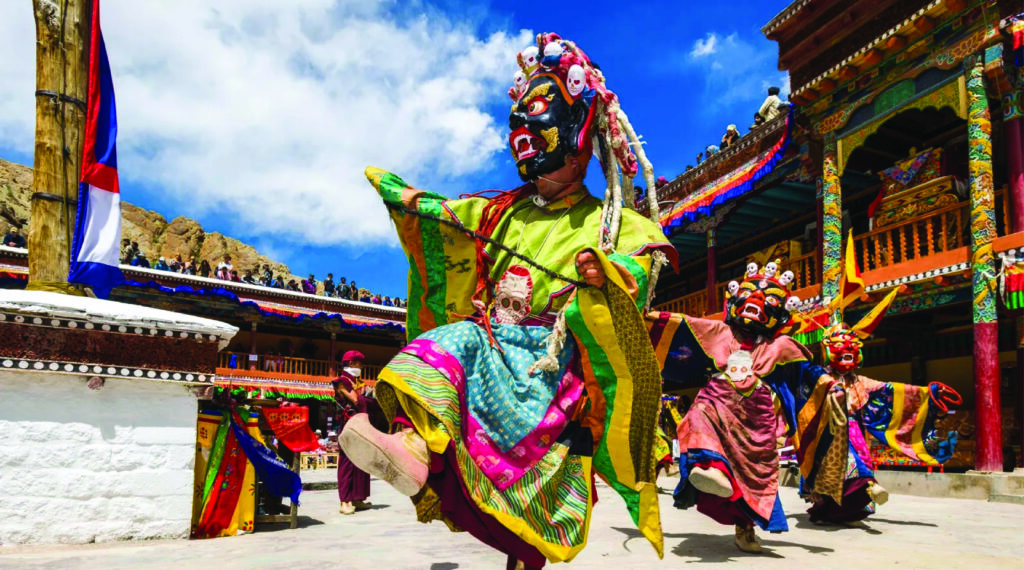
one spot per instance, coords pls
(62, 81)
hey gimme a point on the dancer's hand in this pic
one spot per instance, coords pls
(590, 269)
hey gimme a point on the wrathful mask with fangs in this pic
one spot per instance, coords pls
(758, 308)
(547, 125)
(842, 349)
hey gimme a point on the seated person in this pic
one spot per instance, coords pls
(731, 137)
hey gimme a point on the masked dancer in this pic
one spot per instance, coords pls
(529, 367)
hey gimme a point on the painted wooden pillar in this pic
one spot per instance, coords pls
(332, 366)
(712, 294)
(831, 221)
(989, 449)
(1013, 134)
(253, 355)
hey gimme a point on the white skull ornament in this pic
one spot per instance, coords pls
(576, 80)
(519, 83)
(512, 296)
(792, 303)
(528, 59)
(771, 269)
(751, 269)
(786, 278)
(733, 288)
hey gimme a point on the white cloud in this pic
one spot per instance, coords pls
(704, 47)
(736, 70)
(266, 112)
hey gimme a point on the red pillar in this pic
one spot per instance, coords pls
(989, 431)
(712, 292)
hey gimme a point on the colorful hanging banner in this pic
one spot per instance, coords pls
(291, 426)
(738, 182)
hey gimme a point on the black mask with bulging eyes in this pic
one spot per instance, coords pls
(546, 125)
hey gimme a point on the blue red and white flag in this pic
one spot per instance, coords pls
(95, 250)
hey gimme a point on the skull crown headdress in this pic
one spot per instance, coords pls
(562, 110)
(762, 303)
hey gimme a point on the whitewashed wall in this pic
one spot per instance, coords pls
(80, 465)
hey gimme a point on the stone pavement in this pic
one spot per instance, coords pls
(911, 532)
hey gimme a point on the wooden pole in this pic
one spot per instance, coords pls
(62, 78)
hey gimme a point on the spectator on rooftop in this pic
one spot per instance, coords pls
(234, 276)
(309, 285)
(204, 268)
(14, 238)
(344, 291)
(292, 285)
(354, 292)
(277, 282)
(711, 150)
(161, 265)
(364, 296)
(328, 285)
(224, 268)
(387, 302)
(731, 137)
(268, 275)
(190, 266)
(758, 121)
(773, 106)
(248, 278)
(176, 264)
(140, 260)
(127, 253)
(700, 158)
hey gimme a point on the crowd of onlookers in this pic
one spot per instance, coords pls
(264, 276)
(771, 108)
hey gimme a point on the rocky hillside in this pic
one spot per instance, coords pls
(155, 235)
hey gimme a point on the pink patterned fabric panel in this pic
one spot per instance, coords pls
(503, 469)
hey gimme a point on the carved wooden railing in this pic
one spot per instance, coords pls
(693, 304)
(288, 365)
(942, 230)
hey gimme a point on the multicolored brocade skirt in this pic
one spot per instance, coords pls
(504, 429)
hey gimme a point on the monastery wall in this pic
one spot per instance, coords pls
(79, 465)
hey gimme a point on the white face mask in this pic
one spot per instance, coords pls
(355, 372)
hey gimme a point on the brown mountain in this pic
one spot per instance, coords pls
(155, 235)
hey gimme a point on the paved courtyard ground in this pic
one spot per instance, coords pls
(908, 532)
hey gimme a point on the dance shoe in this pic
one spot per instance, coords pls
(347, 509)
(746, 540)
(400, 459)
(878, 493)
(711, 481)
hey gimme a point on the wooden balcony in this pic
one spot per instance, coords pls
(930, 241)
(937, 232)
(288, 365)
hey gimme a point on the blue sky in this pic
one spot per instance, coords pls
(256, 117)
